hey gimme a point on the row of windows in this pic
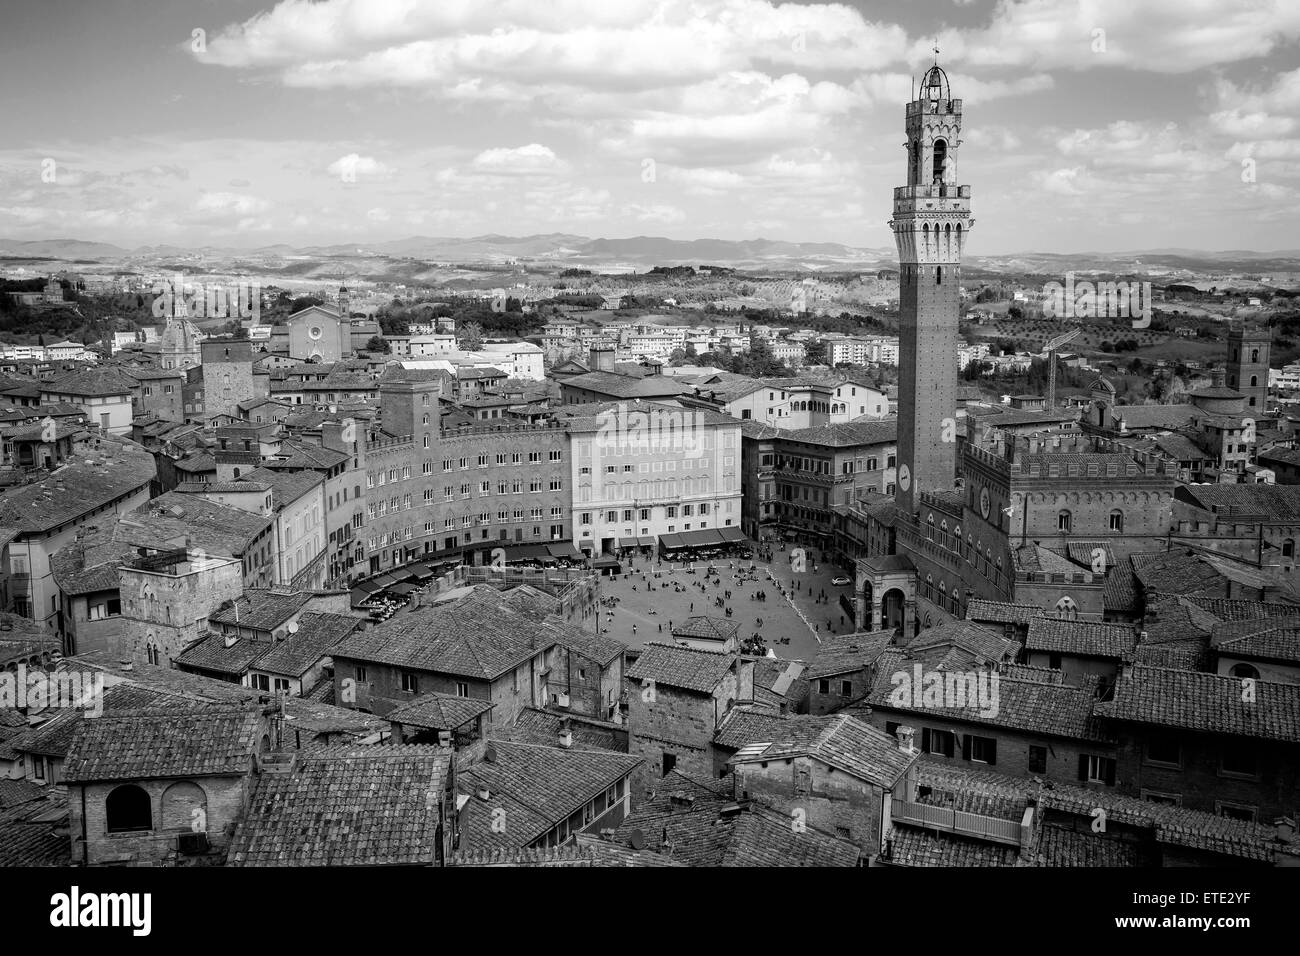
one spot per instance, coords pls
(503, 488)
(515, 458)
(670, 511)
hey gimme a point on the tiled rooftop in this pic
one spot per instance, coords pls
(164, 742)
(346, 807)
(684, 667)
(1205, 702)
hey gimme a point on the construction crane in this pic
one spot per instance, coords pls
(1050, 347)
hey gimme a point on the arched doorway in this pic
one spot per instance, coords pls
(892, 610)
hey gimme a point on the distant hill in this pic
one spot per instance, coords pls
(72, 249)
(412, 258)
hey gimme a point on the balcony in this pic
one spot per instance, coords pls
(992, 829)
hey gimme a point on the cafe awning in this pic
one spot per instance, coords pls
(527, 552)
(404, 588)
(565, 550)
(367, 587)
(670, 542)
(732, 535)
(422, 572)
(704, 538)
(384, 580)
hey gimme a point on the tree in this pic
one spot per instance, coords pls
(677, 357)
(815, 353)
(378, 344)
(1015, 312)
(304, 302)
(470, 336)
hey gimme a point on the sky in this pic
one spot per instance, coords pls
(1089, 125)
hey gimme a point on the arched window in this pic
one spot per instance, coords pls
(1254, 381)
(1288, 548)
(1063, 521)
(940, 160)
(938, 273)
(1117, 520)
(184, 807)
(1244, 671)
(1254, 356)
(1067, 609)
(127, 808)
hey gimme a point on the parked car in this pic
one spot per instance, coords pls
(841, 580)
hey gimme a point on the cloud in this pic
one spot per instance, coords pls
(226, 203)
(530, 159)
(355, 168)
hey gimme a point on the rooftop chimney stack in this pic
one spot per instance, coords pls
(906, 735)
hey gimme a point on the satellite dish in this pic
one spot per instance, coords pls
(293, 627)
(637, 839)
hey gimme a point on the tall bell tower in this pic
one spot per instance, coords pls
(931, 221)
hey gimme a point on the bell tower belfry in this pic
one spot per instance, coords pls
(930, 224)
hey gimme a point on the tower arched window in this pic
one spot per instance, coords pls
(1288, 548)
(940, 160)
(1254, 357)
(1067, 609)
(1117, 520)
(1244, 670)
(1064, 520)
(1254, 381)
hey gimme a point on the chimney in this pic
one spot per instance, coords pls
(566, 738)
(483, 792)
(1216, 377)
(906, 735)
(601, 358)
(1285, 829)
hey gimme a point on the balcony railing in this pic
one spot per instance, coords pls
(993, 829)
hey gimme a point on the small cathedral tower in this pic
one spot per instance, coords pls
(930, 224)
(1248, 349)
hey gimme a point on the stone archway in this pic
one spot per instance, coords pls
(893, 610)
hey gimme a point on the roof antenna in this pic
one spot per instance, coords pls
(936, 51)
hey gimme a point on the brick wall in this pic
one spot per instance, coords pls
(223, 801)
(669, 721)
(830, 800)
(1012, 758)
(1200, 781)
